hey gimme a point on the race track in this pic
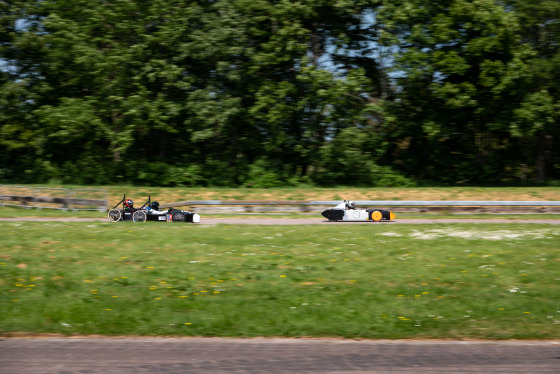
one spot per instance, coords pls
(96, 355)
(320, 221)
(309, 221)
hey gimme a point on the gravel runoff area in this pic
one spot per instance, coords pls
(93, 355)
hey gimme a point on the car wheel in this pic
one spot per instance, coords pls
(139, 216)
(114, 215)
(178, 216)
(376, 216)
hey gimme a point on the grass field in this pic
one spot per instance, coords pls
(339, 193)
(169, 195)
(489, 281)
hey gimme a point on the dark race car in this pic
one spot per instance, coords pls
(346, 211)
(148, 212)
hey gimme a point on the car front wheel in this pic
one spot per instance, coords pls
(114, 215)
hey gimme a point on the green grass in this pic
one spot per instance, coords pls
(489, 281)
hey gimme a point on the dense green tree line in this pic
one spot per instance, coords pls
(272, 92)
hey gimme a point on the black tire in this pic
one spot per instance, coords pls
(139, 216)
(178, 216)
(114, 215)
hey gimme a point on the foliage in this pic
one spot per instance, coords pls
(349, 160)
(211, 92)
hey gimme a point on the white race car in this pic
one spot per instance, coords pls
(346, 211)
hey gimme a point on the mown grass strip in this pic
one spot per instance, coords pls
(489, 281)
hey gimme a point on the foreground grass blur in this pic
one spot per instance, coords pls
(486, 281)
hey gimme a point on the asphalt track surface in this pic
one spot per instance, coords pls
(272, 356)
(307, 221)
(314, 221)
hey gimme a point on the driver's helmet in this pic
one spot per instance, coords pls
(128, 203)
(155, 205)
(351, 205)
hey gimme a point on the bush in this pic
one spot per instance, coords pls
(348, 160)
(263, 175)
(189, 176)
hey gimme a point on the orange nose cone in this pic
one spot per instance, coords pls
(392, 216)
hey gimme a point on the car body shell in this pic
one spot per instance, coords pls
(346, 211)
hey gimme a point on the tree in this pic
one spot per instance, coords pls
(536, 123)
(19, 90)
(225, 92)
(456, 63)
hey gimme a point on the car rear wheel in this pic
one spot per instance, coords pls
(139, 216)
(376, 216)
(178, 216)
(114, 215)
